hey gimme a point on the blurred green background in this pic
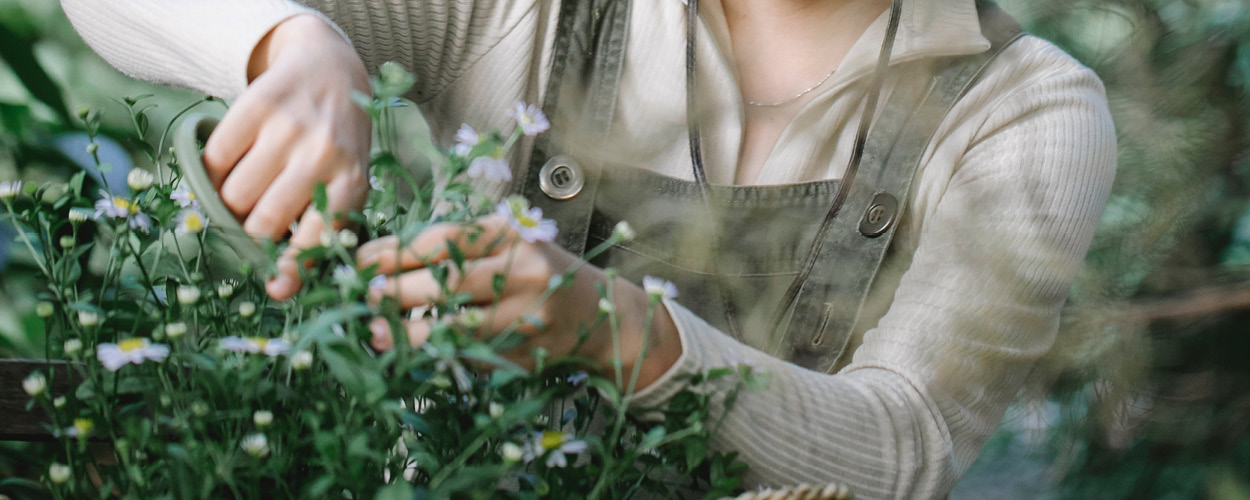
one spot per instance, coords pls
(1146, 392)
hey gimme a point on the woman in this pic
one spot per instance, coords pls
(897, 280)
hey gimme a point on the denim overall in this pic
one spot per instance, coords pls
(784, 268)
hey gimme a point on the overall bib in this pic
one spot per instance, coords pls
(784, 268)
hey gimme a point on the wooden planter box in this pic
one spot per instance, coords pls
(16, 422)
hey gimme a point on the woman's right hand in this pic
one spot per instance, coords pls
(294, 127)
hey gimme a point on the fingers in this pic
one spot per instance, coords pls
(247, 181)
(419, 287)
(488, 236)
(343, 194)
(234, 136)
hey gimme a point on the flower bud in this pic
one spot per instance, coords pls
(80, 214)
(256, 445)
(472, 317)
(247, 309)
(83, 112)
(92, 148)
(88, 319)
(623, 231)
(328, 238)
(67, 242)
(35, 384)
(59, 402)
(175, 330)
(511, 452)
(262, 418)
(606, 306)
(58, 473)
(72, 347)
(44, 309)
(301, 360)
(188, 295)
(348, 239)
(199, 408)
(139, 179)
(225, 290)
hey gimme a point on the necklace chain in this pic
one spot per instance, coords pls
(796, 96)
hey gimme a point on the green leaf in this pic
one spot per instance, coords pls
(19, 54)
(653, 438)
(398, 490)
(319, 197)
(75, 182)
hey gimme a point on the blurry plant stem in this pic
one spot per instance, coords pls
(8, 206)
(623, 404)
(160, 145)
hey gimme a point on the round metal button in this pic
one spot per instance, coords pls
(561, 178)
(881, 214)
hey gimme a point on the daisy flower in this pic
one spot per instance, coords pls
(184, 197)
(531, 119)
(491, 166)
(466, 138)
(659, 288)
(10, 189)
(256, 345)
(528, 222)
(555, 444)
(191, 221)
(134, 350)
(117, 207)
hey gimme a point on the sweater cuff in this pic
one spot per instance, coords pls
(252, 29)
(699, 343)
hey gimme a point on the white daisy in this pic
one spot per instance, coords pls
(256, 345)
(528, 222)
(134, 350)
(531, 119)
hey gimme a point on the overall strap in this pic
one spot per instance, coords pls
(581, 94)
(825, 301)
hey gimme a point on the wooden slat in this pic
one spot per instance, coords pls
(16, 423)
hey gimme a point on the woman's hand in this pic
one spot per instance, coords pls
(296, 126)
(492, 247)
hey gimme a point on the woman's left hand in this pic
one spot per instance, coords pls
(492, 247)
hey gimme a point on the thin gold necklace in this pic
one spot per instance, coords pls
(792, 99)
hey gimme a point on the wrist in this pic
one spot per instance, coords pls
(652, 348)
(304, 34)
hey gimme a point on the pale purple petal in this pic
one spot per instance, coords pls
(531, 119)
(111, 356)
(495, 169)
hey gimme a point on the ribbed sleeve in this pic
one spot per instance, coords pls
(978, 305)
(202, 45)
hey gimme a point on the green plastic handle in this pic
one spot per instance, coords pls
(194, 130)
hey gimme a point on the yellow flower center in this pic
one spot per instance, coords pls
(194, 223)
(551, 440)
(131, 344)
(528, 222)
(126, 205)
(84, 426)
(260, 342)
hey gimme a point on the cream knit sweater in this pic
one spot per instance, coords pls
(1007, 198)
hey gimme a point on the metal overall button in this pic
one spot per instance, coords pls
(880, 216)
(561, 178)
